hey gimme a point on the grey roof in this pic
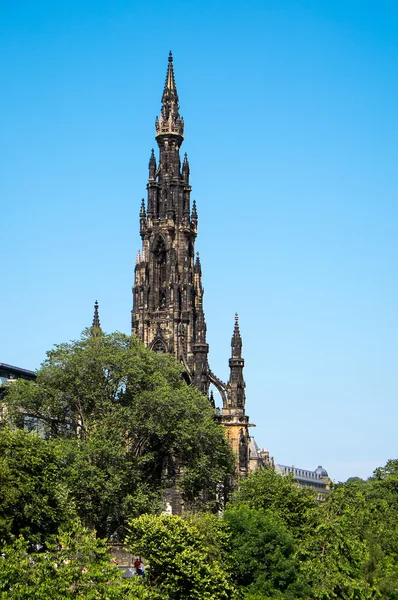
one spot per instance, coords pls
(18, 371)
(253, 448)
(301, 474)
(321, 471)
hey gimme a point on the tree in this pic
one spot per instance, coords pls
(182, 565)
(263, 554)
(34, 501)
(352, 552)
(105, 482)
(267, 490)
(74, 565)
(128, 427)
(334, 555)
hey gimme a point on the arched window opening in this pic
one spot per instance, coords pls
(162, 300)
(159, 347)
(160, 261)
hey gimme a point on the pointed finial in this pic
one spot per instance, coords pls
(170, 84)
(194, 211)
(152, 165)
(142, 210)
(198, 266)
(169, 121)
(236, 341)
(138, 258)
(185, 169)
(213, 404)
(96, 322)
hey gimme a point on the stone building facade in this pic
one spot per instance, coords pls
(317, 480)
(168, 314)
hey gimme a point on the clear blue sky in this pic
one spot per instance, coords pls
(291, 127)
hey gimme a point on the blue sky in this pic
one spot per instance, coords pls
(291, 128)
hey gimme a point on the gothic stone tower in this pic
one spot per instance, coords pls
(167, 310)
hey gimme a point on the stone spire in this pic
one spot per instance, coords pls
(198, 266)
(170, 90)
(152, 166)
(233, 416)
(96, 326)
(236, 341)
(169, 121)
(194, 215)
(185, 169)
(143, 221)
(168, 313)
(236, 384)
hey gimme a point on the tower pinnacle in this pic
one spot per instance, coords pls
(170, 84)
(96, 322)
(169, 121)
(236, 363)
(236, 342)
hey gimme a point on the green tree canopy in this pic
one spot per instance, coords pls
(182, 566)
(127, 425)
(351, 551)
(74, 565)
(263, 554)
(267, 490)
(34, 500)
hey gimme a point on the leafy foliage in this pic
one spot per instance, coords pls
(182, 566)
(121, 427)
(263, 553)
(127, 427)
(352, 552)
(342, 548)
(267, 490)
(75, 565)
(33, 499)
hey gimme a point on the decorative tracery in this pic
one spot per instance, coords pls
(159, 347)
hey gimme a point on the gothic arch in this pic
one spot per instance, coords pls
(219, 385)
(158, 243)
(186, 377)
(159, 346)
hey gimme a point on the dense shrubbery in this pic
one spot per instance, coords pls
(121, 427)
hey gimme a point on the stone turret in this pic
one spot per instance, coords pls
(233, 414)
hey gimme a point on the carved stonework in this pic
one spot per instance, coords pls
(168, 283)
(159, 346)
(168, 313)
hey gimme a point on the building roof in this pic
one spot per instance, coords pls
(302, 474)
(11, 370)
(321, 471)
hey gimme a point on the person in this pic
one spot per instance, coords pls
(142, 569)
(137, 566)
